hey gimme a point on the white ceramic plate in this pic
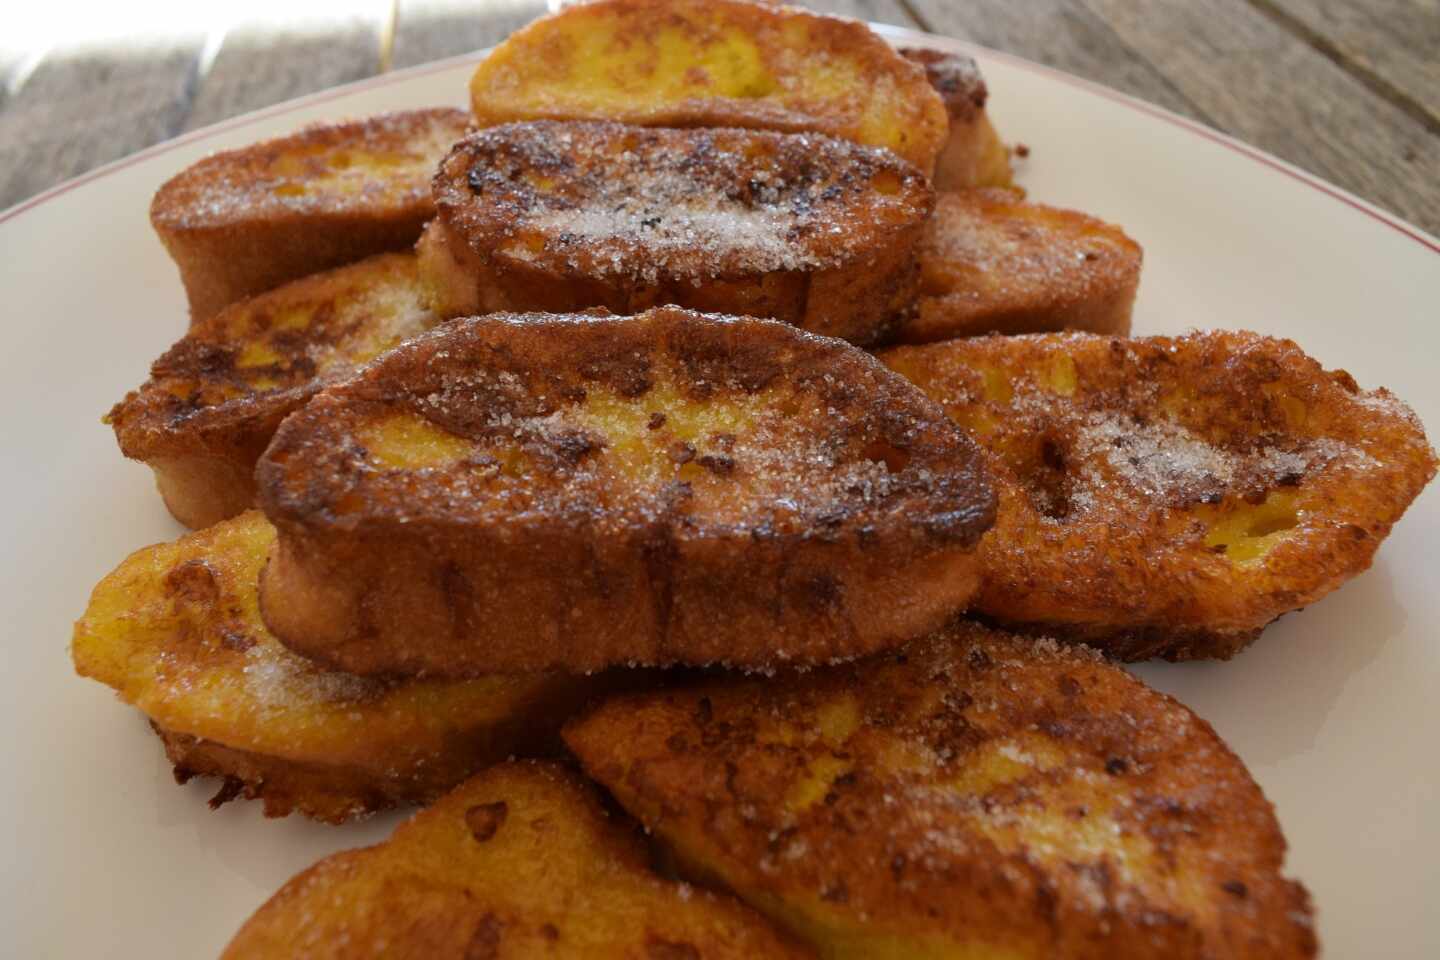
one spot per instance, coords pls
(1333, 709)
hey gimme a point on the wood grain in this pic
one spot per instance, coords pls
(1392, 45)
(428, 30)
(82, 108)
(1258, 82)
(1058, 33)
(261, 64)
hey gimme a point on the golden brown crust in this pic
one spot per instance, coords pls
(176, 631)
(1170, 496)
(973, 155)
(520, 861)
(533, 491)
(712, 63)
(245, 221)
(992, 263)
(973, 795)
(214, 399)
(807, 229)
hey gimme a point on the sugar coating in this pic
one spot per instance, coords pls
(614, 201)
(786, 466)
(280, 680)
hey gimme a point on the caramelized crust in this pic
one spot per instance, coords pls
(807, 229)
(245, 221)
(520, 861)
(976, 795)
(214, 399)
(530, 491)
(992, 263)
(1171, 496)
(712, 63)
(176, 631)
(973, 155)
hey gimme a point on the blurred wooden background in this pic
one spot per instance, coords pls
(1347, 90)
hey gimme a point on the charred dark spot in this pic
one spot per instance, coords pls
(676, 743)
(1069, 686)
(821, 591)
(704, 711)
(897, 865)
(681, 452)
(476, 178)
(1291, 479)
(486, 818)
(1236, 889)
(485, 941)
(1116, 766)
(979, 660)
(836, 892)
(236, 640)
(572, 447)
(718, 464)
(656, 421)
(193, 582)
(549, 932)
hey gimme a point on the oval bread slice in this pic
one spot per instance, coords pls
(974, 795)
(244, 221)
(712, 63)
(176, 631)
(1170, 496)
(214, 399)
(992, 263)
(530, 491)
(520, 861)
(811, 230)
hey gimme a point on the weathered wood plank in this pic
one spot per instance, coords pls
(1059, 33)
(1393, 45)
(263, 63)
(82, 108)
(428, 30)
(878, 11)
(1252, 76)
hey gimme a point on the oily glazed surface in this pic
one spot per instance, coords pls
(1171, 495)
(533, 490)
(973, 795)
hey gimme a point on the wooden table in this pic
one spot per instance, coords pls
(1347, 89)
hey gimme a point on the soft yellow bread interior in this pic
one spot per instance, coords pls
(713, 63)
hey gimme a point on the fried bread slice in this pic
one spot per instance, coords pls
(245, 221)
(807, 229)
(521, 492)
(214, 399)
(1170, 496)
(176, 631)
(520, 861)
(973, 155)
(974, 795)
(713, 63)
(992, 263)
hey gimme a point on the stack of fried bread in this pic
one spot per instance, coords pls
(592, 516)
